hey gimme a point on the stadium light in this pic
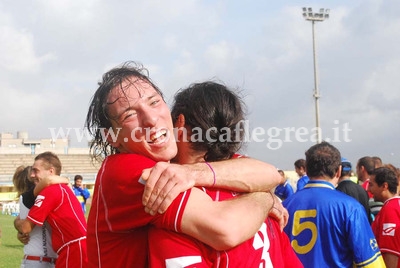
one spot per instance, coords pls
(322, 15)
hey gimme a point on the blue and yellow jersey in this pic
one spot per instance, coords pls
(330, 229)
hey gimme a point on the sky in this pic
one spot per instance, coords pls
(53, 54)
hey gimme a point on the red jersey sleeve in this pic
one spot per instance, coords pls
(117, 222)
(48, 199)
(118, 197)
(172, 218)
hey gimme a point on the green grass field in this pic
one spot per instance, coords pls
(11, 250)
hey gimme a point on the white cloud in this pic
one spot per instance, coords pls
(17, 52)
(222, 55)
(73, 11)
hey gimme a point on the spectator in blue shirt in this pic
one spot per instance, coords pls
(300, 167)
(80, 191)
(284, 189)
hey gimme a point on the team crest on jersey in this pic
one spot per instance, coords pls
(373, 244)
(39, 200)
(388, 229)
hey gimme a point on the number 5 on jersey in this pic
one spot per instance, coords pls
(301, 223)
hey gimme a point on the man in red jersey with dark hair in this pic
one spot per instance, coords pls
(132, 127)
(386, 226)
(58, 205)
(198, 109)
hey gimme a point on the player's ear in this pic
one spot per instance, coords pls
(362, 168)
(339, 172)
(385, 186)
(52, 170)
(180, 122)
(180, 127)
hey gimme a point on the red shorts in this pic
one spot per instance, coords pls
(73, 255)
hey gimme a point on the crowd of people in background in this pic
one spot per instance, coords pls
(163, 200)
(373, 184)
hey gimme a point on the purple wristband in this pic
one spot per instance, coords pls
(208, 164)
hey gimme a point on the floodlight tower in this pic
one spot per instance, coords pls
(309, 15)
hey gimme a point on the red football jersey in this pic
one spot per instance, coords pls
(270, 247)
(58, 205)
(386, 227)
(117, 222)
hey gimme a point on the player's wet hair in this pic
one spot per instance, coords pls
(98, 118)
(215, 114)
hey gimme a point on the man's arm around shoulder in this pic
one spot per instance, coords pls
(225, 224)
